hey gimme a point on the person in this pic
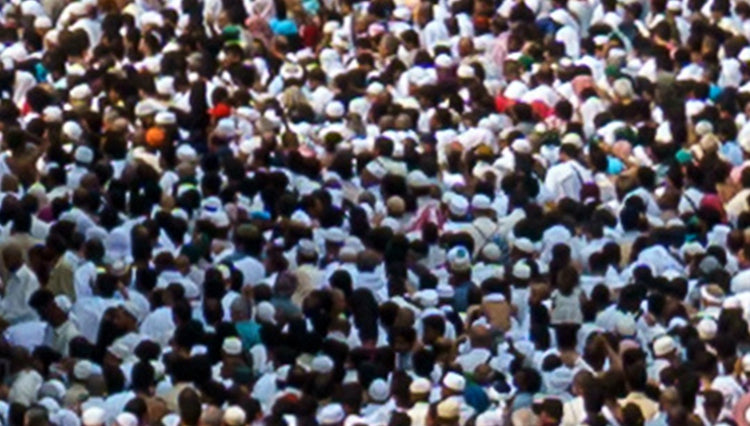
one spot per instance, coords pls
(389, 213)
(61, 329)
(18, 289)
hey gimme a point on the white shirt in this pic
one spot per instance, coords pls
(28, 334)
(566, 180)
(59, 338)
(15, 304)
(89, 311)
(159, 325)
(83, 278)
(252, 270)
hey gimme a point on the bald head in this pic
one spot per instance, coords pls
(13, 257)
(480, 337)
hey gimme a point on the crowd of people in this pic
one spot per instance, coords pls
(383, 212)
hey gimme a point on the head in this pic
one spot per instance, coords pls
(13, 257)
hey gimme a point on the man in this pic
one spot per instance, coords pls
(189, 407)
(234, 416)
(90, 310)
(61, 329)
(62, 274)
(551, 412)
(635, 379)
(36, 416)
(94, 416)
(420, 393)
(20, 234)
(448, 413)
(453, 388)
(21, 284)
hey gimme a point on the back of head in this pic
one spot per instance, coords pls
(189, 404)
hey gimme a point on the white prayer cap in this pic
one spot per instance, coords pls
(331, 414)
(601, 40)
(677, 322)
(481, 202)
(443, 61)
(664, 345)
(524, 245)
(42, 23)
(72, 131)
(322, 364)
(448, 409)
(491, 252)
(521, 146)
(301, 218)
(454, 381)
(126, 419)
(50, 405)
(459, 259)
(712, 293)
(703, 128)
(458, 205)
(335, 109)
(74, 70)
(84, 155)
(166, 118)
(427, 298)
(80, 92)
(330, 27)
(744, 55)
(521, 270)
(266, 312)
(623, 88)
(465, 71)
(625, 325)
(334, 235)
(63, 302)
(674, 5)
(232, 346)
(307, 247)
(93, 416)
(291, 71)
(420, 385)
(693, 248)
(54, 389)
(220, 219)
(165, 85)
(746, 363)
(147, 107)
(417, 179)
(119, 268)
(234, 416)
(52, 114)
(707, 328)
(83, 370)
(378, 390)
(375, 88)
(152, 18)
(572, 139)
(616, 53)
(402, 13)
